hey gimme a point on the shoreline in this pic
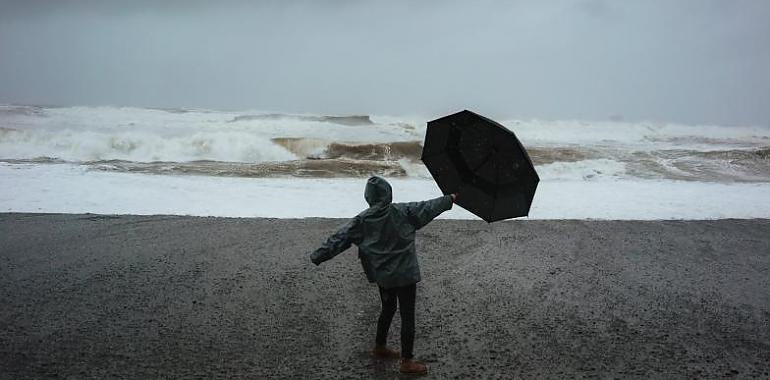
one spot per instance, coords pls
(341, 219)
(74, 190)
(92, 295)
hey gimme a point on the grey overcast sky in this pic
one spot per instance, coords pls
(691, 61)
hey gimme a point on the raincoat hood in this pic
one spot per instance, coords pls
(378, 192)
(384, 234)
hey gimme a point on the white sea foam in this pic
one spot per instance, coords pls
(586, 170)
(640, 136)
(65, 188)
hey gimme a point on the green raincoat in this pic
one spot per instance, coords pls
(384, 234)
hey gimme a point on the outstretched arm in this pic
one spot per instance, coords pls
(341, 240)
(421, 213)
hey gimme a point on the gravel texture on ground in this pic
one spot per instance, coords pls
(93, 296)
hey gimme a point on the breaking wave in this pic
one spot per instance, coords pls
(342, 120)
(139, 146)
(13, 110)
(323, 149)
(296, 168)
(258, 144)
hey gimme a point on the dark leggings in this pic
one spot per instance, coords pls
(405, 296)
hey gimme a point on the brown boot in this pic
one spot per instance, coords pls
(412, 367)
(383, 352)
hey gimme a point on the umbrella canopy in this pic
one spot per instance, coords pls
(483, 162)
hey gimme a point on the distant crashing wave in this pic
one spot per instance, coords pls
(555, 164)
(734, 155)
(352, 120)
(220, 143)
(411, 150)
(330, 168)
(321, 149)
(13, 110)
(174, 110)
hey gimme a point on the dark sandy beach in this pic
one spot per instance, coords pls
(89, 296)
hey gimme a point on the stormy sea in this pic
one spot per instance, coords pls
(259, 163)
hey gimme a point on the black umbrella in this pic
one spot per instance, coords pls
(483, 162)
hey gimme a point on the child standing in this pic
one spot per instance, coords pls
(384, 234)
